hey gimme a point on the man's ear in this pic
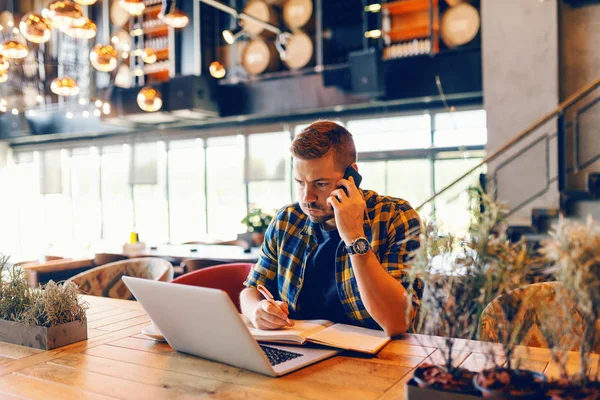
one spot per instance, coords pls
(355, 166)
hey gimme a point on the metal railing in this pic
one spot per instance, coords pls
(561, 133)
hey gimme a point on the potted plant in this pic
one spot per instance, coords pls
(505, 267)
(45, 317)
(461, 276)
(447, 311)
(574, 250)
(257, 221)
(505, 318)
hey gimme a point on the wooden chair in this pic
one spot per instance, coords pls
(107, 258)
(106, 280)
(193, 264)
(533, 304)
(227, 277)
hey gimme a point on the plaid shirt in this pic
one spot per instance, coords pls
(291, 239)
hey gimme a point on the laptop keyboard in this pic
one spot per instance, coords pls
(277, 356)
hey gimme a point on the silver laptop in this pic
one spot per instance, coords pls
(205, 323)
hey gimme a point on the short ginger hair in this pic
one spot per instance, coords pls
(322, 137)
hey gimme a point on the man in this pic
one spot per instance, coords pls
(334, 255)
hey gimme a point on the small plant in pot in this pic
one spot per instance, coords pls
(574, 250)
(257, 221)
(45, 317)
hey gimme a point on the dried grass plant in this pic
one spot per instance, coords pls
(574, 250)
(49, 305)
(462, 275)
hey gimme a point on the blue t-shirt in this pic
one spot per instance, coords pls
(318, 298)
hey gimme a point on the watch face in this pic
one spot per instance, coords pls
(361, 246)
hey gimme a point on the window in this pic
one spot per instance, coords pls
(409, 180)
(187, 205)
(462, 128)
(200, 189)
(394, 133)
(29, 207)
(374, 176)
(452, 207)
(58, 208)
(117, 203)
(225, 186)
(269, 170)
(85, 194)
(149, 192)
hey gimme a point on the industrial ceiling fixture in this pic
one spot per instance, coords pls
(231, 35)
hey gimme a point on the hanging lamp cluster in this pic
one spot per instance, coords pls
(68, 17)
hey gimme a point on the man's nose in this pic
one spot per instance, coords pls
(309, 196)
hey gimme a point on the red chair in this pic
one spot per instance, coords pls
(227, 277)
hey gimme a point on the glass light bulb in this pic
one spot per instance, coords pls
(85, 2)
(149, 56)
(35, 28)
(64, 13)
(64, 86)
(87, 31)
(133, 7)
(14, 50)
(149, 99)
(175, 18)
(217, 70)
(103, 58)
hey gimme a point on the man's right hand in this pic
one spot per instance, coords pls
(267, 316)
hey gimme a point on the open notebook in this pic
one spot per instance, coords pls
(327, 333)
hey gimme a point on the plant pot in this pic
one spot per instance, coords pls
(502, 383)
(41, 337)
(565, 390)
(414, 392)
(436, 377)
(257, 239)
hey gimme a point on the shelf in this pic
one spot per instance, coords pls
(404, 35)
(408, 6)
(152, 9)
(161, 30)
(279, 74)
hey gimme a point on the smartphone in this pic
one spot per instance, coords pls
(351, 172)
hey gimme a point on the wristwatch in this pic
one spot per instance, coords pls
(360, 246)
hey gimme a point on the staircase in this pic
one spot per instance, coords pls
(574, 204)
(575, 201)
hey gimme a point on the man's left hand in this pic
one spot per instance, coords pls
(349, 210)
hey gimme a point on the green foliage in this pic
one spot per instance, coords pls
(49, 305)
(257, 220)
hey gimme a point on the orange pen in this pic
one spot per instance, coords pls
(267, 295)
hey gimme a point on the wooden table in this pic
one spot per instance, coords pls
(117, 361)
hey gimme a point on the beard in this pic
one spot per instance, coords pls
(324, 214)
